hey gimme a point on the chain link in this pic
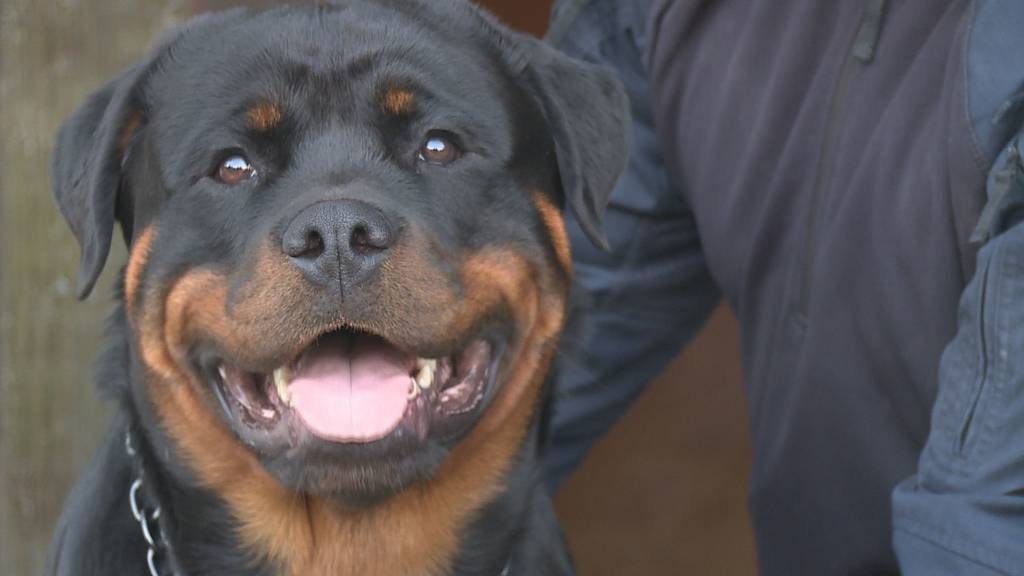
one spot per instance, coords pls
(147, 519)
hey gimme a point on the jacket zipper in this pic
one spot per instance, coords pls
(862, 51)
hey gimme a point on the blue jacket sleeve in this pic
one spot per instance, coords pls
(652, 292)
(963, 513)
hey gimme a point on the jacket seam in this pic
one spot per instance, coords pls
(948, 542)
(977, 154)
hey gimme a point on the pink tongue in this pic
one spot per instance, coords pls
(352, 389)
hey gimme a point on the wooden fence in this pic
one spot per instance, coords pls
(52, 53)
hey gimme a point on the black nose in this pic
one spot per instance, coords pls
(338, 241)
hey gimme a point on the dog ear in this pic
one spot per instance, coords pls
(588, 112)
(87, 166)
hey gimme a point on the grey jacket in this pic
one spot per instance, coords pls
(831, 169)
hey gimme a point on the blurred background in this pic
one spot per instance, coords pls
(664, 493)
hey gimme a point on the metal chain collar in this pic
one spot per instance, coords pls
(148, 518)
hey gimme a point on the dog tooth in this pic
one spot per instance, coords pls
(282, 378)
(425, 376)
(424, 379)
(414, 389)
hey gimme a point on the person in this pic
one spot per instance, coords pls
(848, 177)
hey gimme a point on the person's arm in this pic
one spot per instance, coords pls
(651, 293)
(963, 513)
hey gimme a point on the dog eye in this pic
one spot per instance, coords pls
(439, 148)
(234, 170)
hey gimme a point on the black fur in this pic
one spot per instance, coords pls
(534, 118)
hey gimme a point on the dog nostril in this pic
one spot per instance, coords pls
(307, 244)
(314, 241)
(360, 239)
(314, 245)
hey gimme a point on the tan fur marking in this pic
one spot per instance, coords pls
(398, 101)
(128, 132)
(416, 532)
(136, 262)
(264, 116)
(555, 224)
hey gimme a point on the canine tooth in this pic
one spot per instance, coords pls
(425, 376)
(282, 378)
(414, 389)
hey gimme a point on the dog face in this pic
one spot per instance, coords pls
(348, 268)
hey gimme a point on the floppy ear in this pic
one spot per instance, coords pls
(87, 165)
(588, 112)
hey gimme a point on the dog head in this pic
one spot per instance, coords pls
(348, 267)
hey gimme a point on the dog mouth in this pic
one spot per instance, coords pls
(356, 388)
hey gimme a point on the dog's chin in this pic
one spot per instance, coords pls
(357, 477)
(353, 418)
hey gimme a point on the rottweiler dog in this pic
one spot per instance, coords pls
(348, 273)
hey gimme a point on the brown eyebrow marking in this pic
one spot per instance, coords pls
(264, 116)
(398, 101)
